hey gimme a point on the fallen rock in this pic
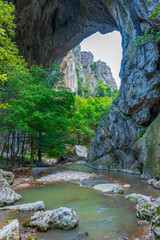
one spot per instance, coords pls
(155, 183)
(7, 194)
(29, 234)
(109, 188)
(66, 176)
(137, 198)
(22, 186)
(80, 152)
(10, 231)
(51, 161)
(126, 185)
(143, 223)
(156, 226)
(150, 181)
(63, 218)
(28, 207)
(9, 176)
(149, 209)
(81, 236)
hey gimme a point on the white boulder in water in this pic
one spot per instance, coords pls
(63, 218)
(109, 188)
(28, 207)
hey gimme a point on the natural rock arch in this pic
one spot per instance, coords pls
(47, 29)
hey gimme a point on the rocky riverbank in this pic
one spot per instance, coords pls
(147, 208)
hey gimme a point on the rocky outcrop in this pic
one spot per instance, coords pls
(114, 146)
(10, 231)
(7, 194)
(80, 67)
(121, 144)
(28, 207)
(63, 218)
(49, 29)
(80, 152)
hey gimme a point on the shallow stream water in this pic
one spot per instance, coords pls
(102, 216)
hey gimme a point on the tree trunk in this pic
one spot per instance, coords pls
(13, 150)
(23, 142)
(7, 158)
(32, 150)
(39, 149)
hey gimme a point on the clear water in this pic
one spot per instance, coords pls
(102, 216)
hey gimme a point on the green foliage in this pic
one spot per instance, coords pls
(10, 62)
(37, 107)
(94, 67)
(42, 110)
(156, 12)
(142, 132)
(87, 115)
(150, 34)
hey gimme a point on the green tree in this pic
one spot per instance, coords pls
(10, 61)
(42, 111)
(87, 115)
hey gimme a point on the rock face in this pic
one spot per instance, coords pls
(28, 207)
(49, 29)
(11, 231)
(7, 194)
(80, 66)
(63, 218)
(80, 152)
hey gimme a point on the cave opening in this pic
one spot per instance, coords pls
(106, 48)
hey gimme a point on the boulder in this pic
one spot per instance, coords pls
(138, 198)
(126, 186)
(154, 182)
(28, 207)
(9, 176)
(80, 152)
(10, 231)
(109, 188)
(81, 236)
(63, 218)
(7, 194)
(156, 226)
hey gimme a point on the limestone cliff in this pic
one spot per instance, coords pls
(49, 29)
(80, 66)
